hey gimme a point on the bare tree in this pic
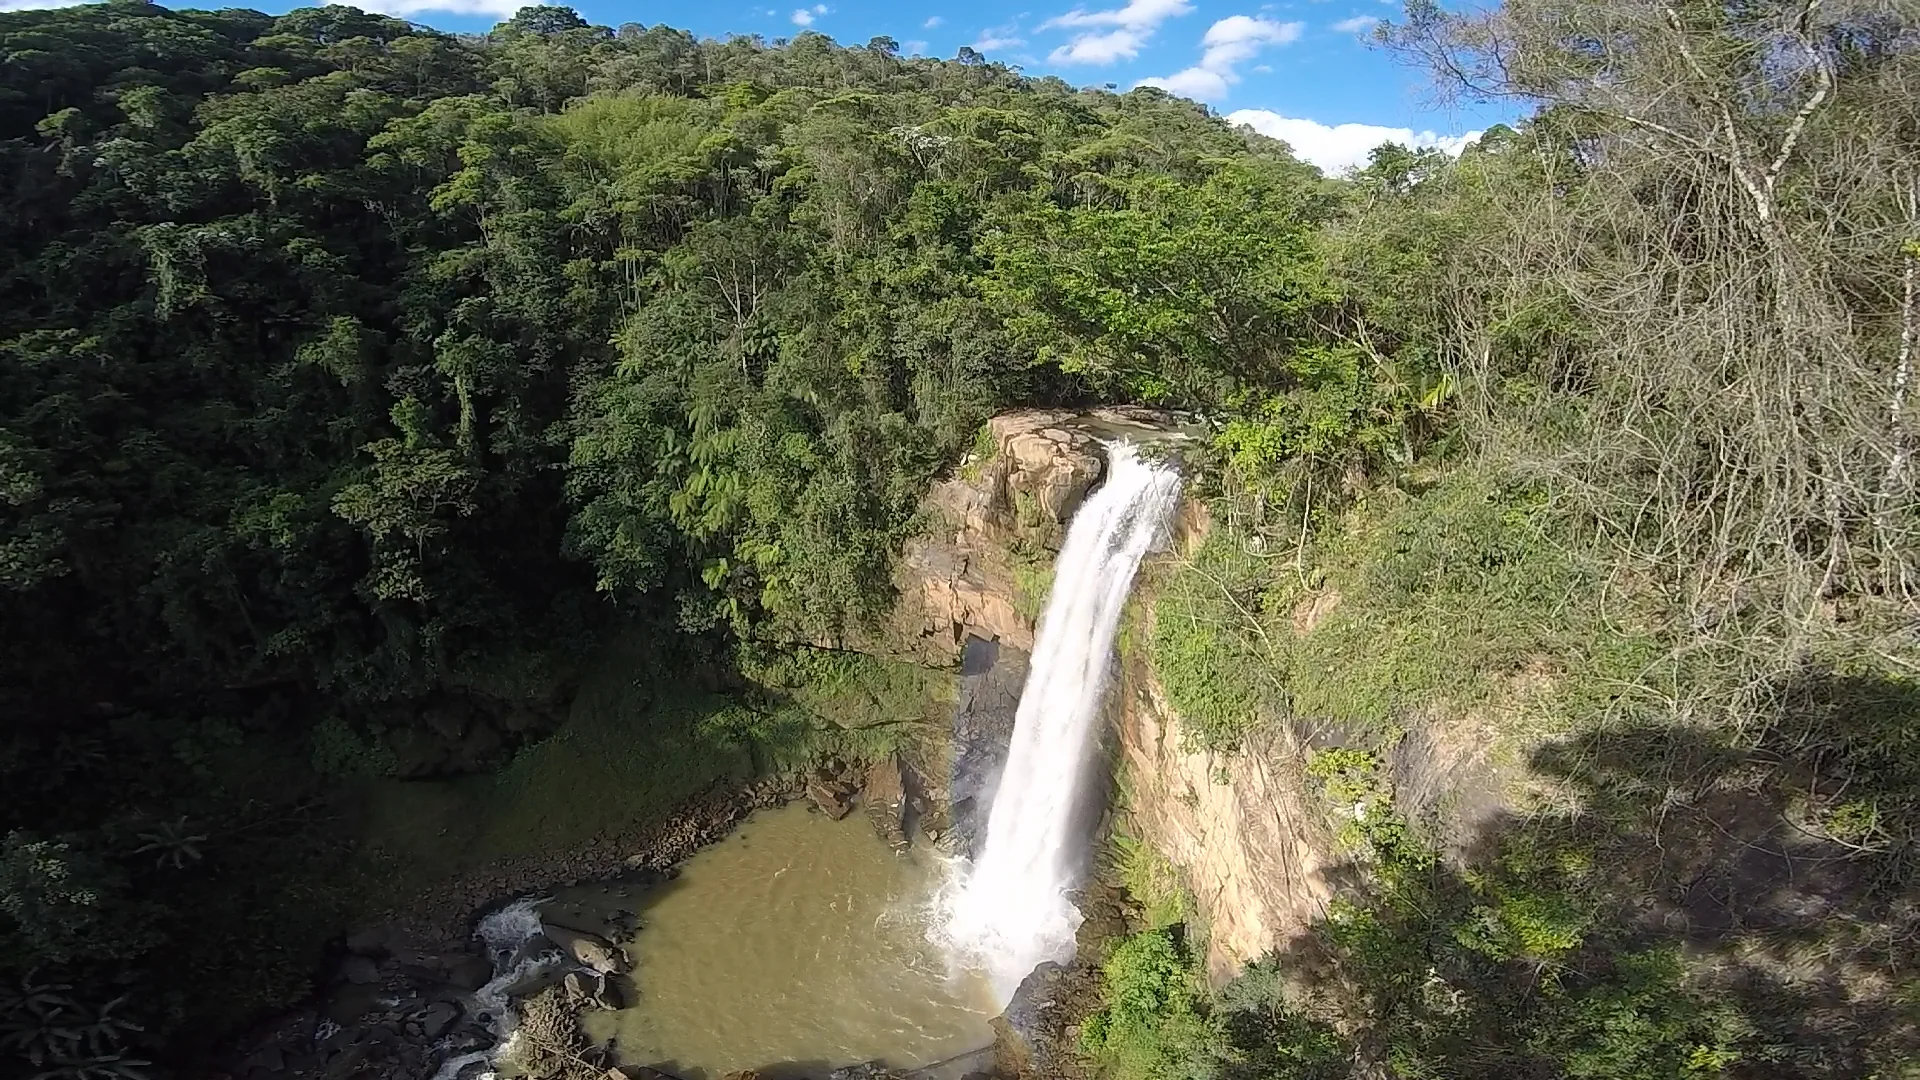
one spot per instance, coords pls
(1713, 217)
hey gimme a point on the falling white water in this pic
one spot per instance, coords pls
(1011, 911)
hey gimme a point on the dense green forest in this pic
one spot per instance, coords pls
(355, 376)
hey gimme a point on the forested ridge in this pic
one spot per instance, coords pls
(354, 375)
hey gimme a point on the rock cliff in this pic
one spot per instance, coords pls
(1249, 841)
(994, 526)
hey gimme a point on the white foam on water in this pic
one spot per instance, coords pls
(1010, 911)
(512, 926)
(451, 1068)
(505, 934)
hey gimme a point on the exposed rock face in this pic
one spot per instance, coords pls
(992, 675)
(885, 795)
(832, 790)
(1242, 828)
(1031, 1039)
(960, 580)
(1046, 466)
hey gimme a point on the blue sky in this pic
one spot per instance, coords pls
(1302, 70)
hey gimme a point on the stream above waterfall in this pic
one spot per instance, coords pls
(800, 942)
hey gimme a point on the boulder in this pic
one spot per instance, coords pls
(575, 916)
(609, 994)
(468, 972)
(268, 1059)
(360, 970)
(369, 942)
(1026, 1039)
(831, 800)
(589, 950)
(437, 1018)
(622, 925)
(533, 946)
(592, 989)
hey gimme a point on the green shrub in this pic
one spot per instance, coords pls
(1263, 1036)
(1637, 1023)
(1211, 653)
(1153, 882)
(857, 700)
(1149, 1026)
(1032, 585)
(1463, 594)
(342, 752)
(980, 453)
(1362, 798)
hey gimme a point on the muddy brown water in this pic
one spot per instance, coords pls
(796, 945)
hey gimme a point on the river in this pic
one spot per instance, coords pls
(797, 944)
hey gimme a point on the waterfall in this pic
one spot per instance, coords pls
(1010, 912)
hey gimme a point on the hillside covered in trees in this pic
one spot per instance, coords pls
(354, 375)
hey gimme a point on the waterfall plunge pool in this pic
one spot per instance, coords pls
(796, 945)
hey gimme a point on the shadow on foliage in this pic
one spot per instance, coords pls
(1697, 905)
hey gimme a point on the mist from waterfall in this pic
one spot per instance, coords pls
(1011, 910)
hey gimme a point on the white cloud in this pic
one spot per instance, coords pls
(913, 47)
(1000, 37)
(1196, 83)
(932, 21)
(1131, 26)
(35, 5)
(1359, 24)
(1342, 146)
(1238, 38)
(1228, 43)
(499, 9)
(1137, 13)
(802, 17)
(1104, 48)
